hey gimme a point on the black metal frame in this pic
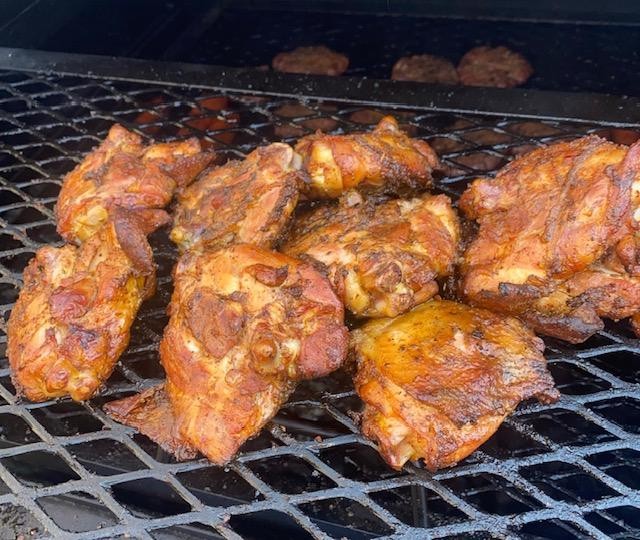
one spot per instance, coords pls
(572, 466)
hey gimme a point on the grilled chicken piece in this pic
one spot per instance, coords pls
(243, 201)
(383, 259)
(384, 160)
(72, 319)
(246, 324)
(557, 238)
(123, 172)
(438, 381)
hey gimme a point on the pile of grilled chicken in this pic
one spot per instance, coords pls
(274, 248)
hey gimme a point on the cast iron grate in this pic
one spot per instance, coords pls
(66, 470)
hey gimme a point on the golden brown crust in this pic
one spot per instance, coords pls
(384, 160)
(425, 68)
(438, 381)
(74, 313)
(242, 201)
(246, 324)
(494, 66)
(383, 259)
(553, 224)
(318, 60)
(123, 172)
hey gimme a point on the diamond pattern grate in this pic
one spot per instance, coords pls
(67, 471)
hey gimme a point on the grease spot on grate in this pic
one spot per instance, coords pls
(492, 494)
(358, 462)
(418, 506)
(345, 518)
(216, 486)
(77, 511)
(268, 525)
(566, 482)
(105, 457)
(623, 465)
(295, 475)
(39, 469)
(566, 427)
(149, 498)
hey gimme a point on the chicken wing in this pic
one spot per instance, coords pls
(72, 319)
(438, 381)
(557, 237)
(246, 324)
(243, 201)
(123, 172)
(385, 160)
(383, 259)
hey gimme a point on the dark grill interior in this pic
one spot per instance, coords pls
(570, 470)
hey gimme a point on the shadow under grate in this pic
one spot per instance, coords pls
(570, 468)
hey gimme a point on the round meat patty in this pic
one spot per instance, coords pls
(425, 68)
(318, 60)
(493, 66)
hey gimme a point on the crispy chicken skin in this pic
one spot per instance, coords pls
(438, 381)
(382, 259)
(123, 172)
(384, 160)
(72, 319)
(246, 324)
(242, 201)
(557, 237)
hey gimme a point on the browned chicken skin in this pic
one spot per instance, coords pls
(72, 319)
(73, 316)
(384, 160)
(246, 324)
(124, 172)
(557, 238)
(381, 259)
(243, 201)
(439, 380)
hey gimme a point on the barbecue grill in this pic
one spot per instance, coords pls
(563, 471)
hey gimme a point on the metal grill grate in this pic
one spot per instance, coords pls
(570, 470)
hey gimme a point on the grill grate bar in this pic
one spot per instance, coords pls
(590, 438)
